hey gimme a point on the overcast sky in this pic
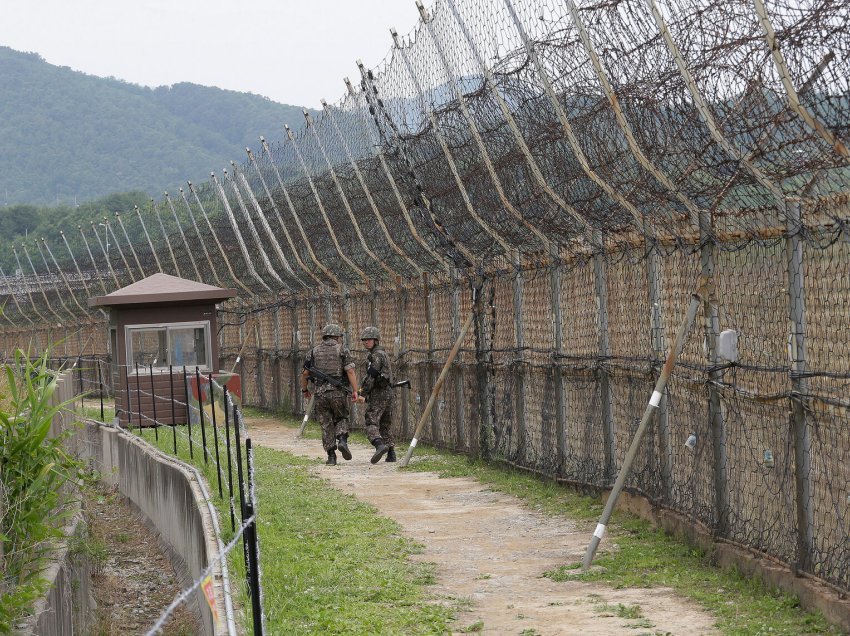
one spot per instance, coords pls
(292, 52)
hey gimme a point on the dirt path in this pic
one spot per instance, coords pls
(492, 550)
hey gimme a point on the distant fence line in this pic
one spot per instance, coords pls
(567, 172)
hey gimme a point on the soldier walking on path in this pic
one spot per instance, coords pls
(378, 393)
(336, 387)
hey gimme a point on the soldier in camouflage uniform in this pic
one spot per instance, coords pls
(331, 406)
(378, 392)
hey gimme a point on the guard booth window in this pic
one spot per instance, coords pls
(163, 345)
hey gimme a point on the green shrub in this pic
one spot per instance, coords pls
(34, 468)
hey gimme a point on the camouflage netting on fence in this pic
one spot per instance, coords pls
(568, 172)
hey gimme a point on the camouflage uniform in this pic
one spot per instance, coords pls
(379, 397)
(331, 407)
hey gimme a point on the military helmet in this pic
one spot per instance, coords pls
(371, 333)
(332, 329)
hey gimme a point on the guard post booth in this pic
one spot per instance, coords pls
(155, 324)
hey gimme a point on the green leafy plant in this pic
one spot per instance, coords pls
(34, 468)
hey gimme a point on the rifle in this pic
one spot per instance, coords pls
(394, 385)
(321, 375)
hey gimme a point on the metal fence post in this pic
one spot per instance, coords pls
(80, 376)
(715, 414)
(799, 388)
(600, 279)
(326, 295)
(240, 359)
(188, 413)
(401, 351)
(277, 389)
(460, 402)
(129, 408)
(429, 328)
(347, 339)
(241, 483)
(221, 340)
(294, 385)
(558, 339)
(252, 544)
(485, 431)
(153, 406)
(261, 366)
(100, 382)
(201, 414)
(656, 323)
(519, 357)
(311, 339)
(173, 408)
(215, 434)
(139, 396)
(373, 304)
(229, 463)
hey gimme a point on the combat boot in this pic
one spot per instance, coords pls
(390, 455)
(342, 445)
(380, 449)
(331, 458)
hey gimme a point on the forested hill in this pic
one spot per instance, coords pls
(67, 135)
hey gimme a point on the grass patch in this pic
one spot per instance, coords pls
(330, 563)
(630, 612)
(93, 412)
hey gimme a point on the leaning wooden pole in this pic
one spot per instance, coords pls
(654, 401)
(436, 390)
(307, 412)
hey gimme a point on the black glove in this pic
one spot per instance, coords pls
(373, 372)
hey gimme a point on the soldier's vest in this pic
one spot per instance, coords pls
(386, 377)
(326, 358)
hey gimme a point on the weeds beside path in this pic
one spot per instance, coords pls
(132, 579)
